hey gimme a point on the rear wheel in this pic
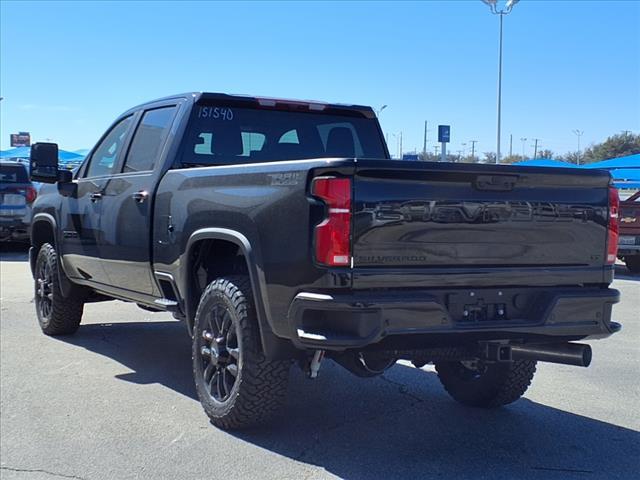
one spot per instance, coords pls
(57, 314)
(486, 385)
(633, 263)
(237, 386)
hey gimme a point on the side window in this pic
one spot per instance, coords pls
(105, 158)
(343, 143)
(251, 142)
(149, 139)
(289, 137)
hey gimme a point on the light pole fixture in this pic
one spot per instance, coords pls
(578, 133)
(379, 110)
(523, 140)
(493, 5)
(398, 138)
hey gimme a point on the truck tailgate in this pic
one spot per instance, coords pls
(415, 214)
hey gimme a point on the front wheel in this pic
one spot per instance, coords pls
(237, 385)
(57, 314)
(486, 385)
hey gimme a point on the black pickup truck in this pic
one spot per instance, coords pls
(281, 232)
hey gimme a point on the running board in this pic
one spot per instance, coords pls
(166, 304)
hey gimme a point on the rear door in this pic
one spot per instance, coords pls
(127, 203)
(414, 214)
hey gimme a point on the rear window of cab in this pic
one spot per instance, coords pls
(220, 135)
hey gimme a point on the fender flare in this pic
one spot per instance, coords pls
(65, 284)
(38, 218)
(273, 346)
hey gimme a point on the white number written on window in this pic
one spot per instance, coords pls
(217, 113)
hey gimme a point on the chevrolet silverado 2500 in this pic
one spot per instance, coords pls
(281, 232)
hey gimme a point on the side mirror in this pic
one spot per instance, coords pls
(44, 162)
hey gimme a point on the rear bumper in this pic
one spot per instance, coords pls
(14, 228)
(337, 321)
(625, 249)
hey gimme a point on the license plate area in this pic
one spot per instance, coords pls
(12, 204)
(626, 240)
(490, 306)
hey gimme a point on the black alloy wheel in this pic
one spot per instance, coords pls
(237, 385)
(220, 353)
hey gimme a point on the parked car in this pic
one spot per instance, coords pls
(629, 243)
(281, 231)
(17, 194)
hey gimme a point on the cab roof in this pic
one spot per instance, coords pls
(252, 101)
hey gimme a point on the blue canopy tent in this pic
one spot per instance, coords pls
(624, 170)
(67, 159)
(25, 152)
(626, 177)
(630, 161)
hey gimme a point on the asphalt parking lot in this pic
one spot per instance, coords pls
(117, 401)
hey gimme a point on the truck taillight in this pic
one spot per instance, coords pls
(612, 226)
(30, 194)
(333, 235)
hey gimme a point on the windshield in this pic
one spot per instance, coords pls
(225, 135)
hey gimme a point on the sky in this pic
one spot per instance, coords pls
(67, 69)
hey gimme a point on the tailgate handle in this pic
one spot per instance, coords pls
(496, 183)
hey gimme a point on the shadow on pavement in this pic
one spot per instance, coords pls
(623, 273)
(14, 252)
(400, 425)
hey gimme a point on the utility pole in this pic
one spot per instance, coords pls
(535, 147)
(400, 145)
(578, 134)
(511, 144)
(424, 143)
(473, 148)
(523, 140)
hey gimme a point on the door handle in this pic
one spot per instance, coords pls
(95, 196)
(140, 196)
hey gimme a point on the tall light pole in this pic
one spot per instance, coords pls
(501, 13)
(535, 147)
(473, 149)
(523, 140)
(424, 143)
(398, 138)
(379, 110)
(578, 133)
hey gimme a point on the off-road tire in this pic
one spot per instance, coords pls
(61, 315)
(491, 386)
(633, 263)
(260, 385)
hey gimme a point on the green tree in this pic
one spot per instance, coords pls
(545, 153)
(620, 145)
(469, 159)
(572, 157)
(512, 158)
(489, 157)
